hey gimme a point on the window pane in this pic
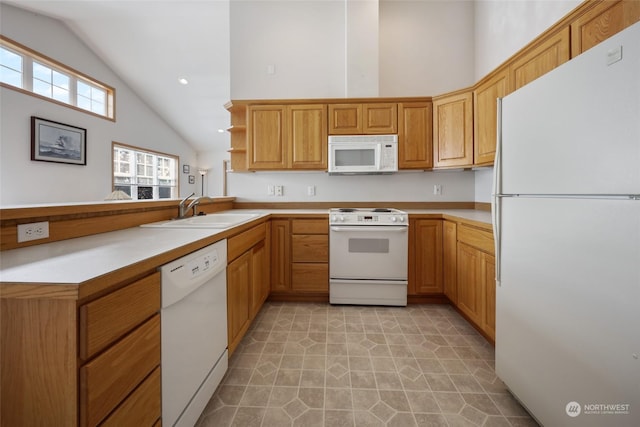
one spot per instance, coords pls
(42, 88)
(145, 193)
(164, 192)
(10, 59)
(61, 80)
(10, 67)
(84, 103)
(126, 189)
(98, 95)
(40, 72)
(10, 77)
(60, 94)
(83, 89)
(98, 108)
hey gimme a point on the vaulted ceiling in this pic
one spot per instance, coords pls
(151, 44)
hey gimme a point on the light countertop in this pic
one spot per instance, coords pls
(74, 261)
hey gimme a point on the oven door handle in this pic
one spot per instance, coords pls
(402, 228)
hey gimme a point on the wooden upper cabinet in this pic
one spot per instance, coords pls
(540, 59)
(267, 137)
(345, 119)
(287, 137)
(453, 129)
(380, 118)
(357, 119)
(485, 116)
(600, 22)
(415, 135)
(308, 136)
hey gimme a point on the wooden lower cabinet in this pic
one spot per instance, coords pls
(247, 280)
(476, 289)
(489, 318)
(425, 266)
(238, 301)
(300, 251)
(470, 288)
(449, 247)
(66, 364)
(281, 255)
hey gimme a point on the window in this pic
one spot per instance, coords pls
(144, 174)
(26, 70)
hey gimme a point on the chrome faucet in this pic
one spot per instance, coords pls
(182, 210)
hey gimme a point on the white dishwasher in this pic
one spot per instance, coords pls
(194, 332)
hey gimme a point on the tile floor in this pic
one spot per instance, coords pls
(321, 365)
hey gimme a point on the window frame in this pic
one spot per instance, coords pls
(157, 184)
(30, 56)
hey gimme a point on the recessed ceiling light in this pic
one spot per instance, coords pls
(183, 81)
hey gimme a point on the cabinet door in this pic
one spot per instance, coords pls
(380, 118)
(453, 130)
(540, 59)
(239, 277)
(259, 276)
(345, 119)
(280, 254)
(308, 136)
(415, 135)
(485, 116)
(310, 277)
(489, 270)
(470, 292)
(267, 134)
(449, 243)
(601, 22)
(428, 256)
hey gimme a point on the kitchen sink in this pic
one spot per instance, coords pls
(222, 220)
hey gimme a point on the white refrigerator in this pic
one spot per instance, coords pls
(566, 206)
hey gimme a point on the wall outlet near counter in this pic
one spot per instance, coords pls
(437, 189)
(33, 231)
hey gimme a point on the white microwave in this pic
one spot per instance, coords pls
(363, 154)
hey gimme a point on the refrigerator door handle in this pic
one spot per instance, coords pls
(497, 190)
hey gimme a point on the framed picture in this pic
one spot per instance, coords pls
(186, 169)
(57, 142)
(192, 179)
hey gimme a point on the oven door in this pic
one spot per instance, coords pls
(368, 252)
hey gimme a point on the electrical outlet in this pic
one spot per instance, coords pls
(279, 190)
(311, 190)
(33, 231)
(437, 189)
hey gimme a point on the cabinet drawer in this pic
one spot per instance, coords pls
(310, 277)
(310, 248)
(105, 320)
(239, 244)
(478, 239)
(142, 407)
(310, 226)
(110, 377)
